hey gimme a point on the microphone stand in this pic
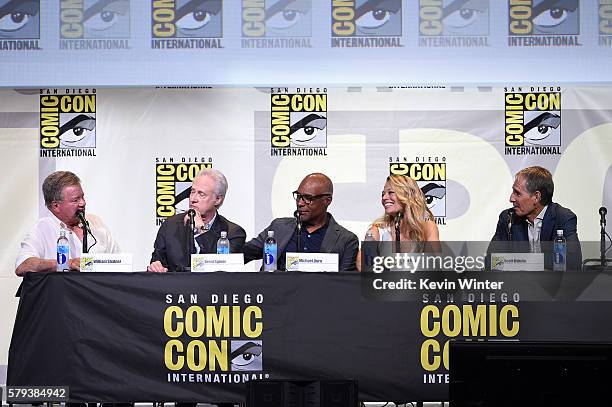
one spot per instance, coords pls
(298, 233)
(602, 260)
(84, 227)
(398, 221)
(190, 238)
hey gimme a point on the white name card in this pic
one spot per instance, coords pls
(208, 263)
(106, 262)
(312, 261)
(517, 261)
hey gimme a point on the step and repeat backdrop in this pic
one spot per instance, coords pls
(177, 42)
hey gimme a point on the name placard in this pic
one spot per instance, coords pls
(207, 263)
(312, 261)
(106, 262)
(517, 261)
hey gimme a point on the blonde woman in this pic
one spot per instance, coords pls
(404, 202)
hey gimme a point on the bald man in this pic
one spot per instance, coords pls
(320, 232)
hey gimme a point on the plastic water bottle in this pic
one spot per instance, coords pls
(223, 245)
(270, 252)
(560, 252)
(367, 252)
(63, 252)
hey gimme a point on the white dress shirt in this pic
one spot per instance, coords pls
(41, 241)
(534, 229)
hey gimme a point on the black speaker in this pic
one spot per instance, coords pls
(338, 393)
(265, 394)
(302, 393)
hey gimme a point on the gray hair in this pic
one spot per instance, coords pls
(220, 181)
(55, 183)
(538, 179)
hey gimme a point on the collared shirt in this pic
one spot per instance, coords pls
(207, 227)
(533, 229)
(310, 241)
(41, 241)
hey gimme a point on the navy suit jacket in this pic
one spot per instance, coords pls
(337, 240)
(556, 218)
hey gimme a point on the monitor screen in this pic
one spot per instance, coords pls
(503, 373)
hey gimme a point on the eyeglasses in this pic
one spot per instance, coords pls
(307, 198)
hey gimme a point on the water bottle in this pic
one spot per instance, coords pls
(270, 252)
(223, 245)
(367, 252)
(559, 252)
(63, 252)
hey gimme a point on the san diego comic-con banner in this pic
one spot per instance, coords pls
(202, 337)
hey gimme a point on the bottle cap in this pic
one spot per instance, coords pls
(223, 233)
(270, 233)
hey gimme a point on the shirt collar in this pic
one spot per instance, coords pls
(538, 220)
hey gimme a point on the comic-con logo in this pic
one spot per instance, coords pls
(19, 25)
(299, 123)
(67, 123)
(173, 179)
(94, 24)
(366, 23)
(533, 121)
(215, 342)
(276, 23)
(453, 23)
(184, 24)
(543, 23)
(605, 23)
(430, 176)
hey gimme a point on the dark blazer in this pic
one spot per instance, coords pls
(556, 217)
(171, 244)
(337, 240)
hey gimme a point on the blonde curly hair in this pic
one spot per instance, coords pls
(414, 207)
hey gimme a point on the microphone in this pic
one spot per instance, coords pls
(602, 214)
(298, 220)
(85, 226)
(510, 220)
(398, 219)
(191, 213)
(81, 215)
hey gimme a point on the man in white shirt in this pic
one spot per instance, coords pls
(64, 198)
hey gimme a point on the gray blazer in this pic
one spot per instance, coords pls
(337, 240)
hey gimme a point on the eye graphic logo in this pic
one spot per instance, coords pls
(77, 130)
(67, 122)
(276, 18)
(299, 122)
(366, 18)
(533, 119)
(453, 17)
(431, 179)
(19, 19)
(246, 356)
(187, 18)
(544, 17)
(173, 185)
(94, 19)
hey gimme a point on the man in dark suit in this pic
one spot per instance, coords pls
(171, 250)
(319, 234)
(534, 219)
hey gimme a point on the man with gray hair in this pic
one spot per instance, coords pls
(173, 241)
(534, 218)
(64, 198)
